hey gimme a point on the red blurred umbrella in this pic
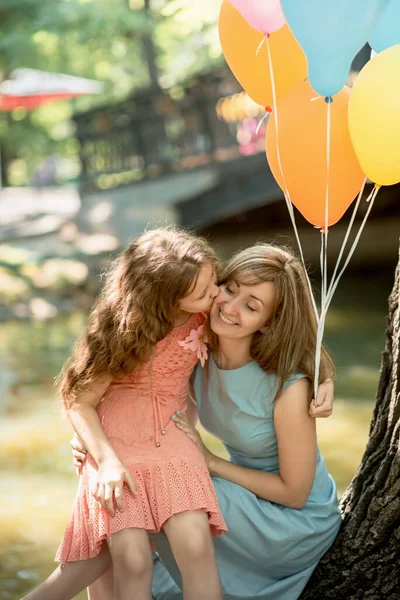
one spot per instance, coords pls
(30, 88)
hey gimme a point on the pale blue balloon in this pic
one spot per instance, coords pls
(388, 31)
(331, 32)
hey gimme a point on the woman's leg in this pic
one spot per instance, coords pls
(191, 543)
(73, 577)
(132, 564)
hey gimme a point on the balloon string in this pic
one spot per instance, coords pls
(267, 114)
(260, 45)
(324, 254)
(328, 175)
(371, 201)
(333, 289)
(370, 196)
(321, 322)
(327, 298)
(328, 181)
(349, 228)
(286, 190)
(330, 295)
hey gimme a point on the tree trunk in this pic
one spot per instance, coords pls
(364, 561)
(149, 50)
(3, 165)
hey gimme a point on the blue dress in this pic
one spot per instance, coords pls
(270, 550)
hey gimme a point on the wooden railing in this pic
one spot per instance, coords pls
(154, 134)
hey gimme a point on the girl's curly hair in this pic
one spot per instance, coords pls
(136, 307)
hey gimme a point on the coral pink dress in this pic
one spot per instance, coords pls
(169, 471)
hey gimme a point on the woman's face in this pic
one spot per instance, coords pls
(240, 310)
(202, 295)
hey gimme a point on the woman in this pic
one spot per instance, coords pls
(275, 493)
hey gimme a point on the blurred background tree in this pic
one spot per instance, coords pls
(127, 44)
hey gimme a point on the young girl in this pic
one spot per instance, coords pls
(127, 375)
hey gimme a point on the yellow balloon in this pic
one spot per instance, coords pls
(374, 117)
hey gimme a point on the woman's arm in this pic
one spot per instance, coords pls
(296, 435)
(111, 473)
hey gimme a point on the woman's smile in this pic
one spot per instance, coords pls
(225, 319)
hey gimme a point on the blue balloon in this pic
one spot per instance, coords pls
(331, 32)
(388, 31)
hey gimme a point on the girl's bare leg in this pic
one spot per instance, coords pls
(191, 543)
(70, 579)
(102, 588)
(132, 564)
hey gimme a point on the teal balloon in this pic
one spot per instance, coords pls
(388, 31)
(331, 32)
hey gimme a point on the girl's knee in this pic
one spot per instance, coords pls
(135, 561)
(190, 537)
(132, 555)
(198, 544)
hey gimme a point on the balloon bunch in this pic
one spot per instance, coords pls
(323, 139)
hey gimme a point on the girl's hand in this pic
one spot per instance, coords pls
(183, 423)
(111, 476)
(322, 405)
(78, 453)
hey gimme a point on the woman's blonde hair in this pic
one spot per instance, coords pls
(136, 307)
(287, 343)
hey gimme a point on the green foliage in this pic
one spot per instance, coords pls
(101, 40)
(51, 33)
(186, 35)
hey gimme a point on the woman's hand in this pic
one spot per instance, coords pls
(183, 423)
(322, 405)
(79, 453)
(111, 476)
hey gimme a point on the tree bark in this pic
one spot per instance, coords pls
(364, 561)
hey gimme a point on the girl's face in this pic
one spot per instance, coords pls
(240, 310)
(202, 295)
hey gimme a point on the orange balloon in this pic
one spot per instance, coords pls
(302, 128)
(239, 43)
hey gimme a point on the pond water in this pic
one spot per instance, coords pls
(37, 480)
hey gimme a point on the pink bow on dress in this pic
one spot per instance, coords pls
(196, 342)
